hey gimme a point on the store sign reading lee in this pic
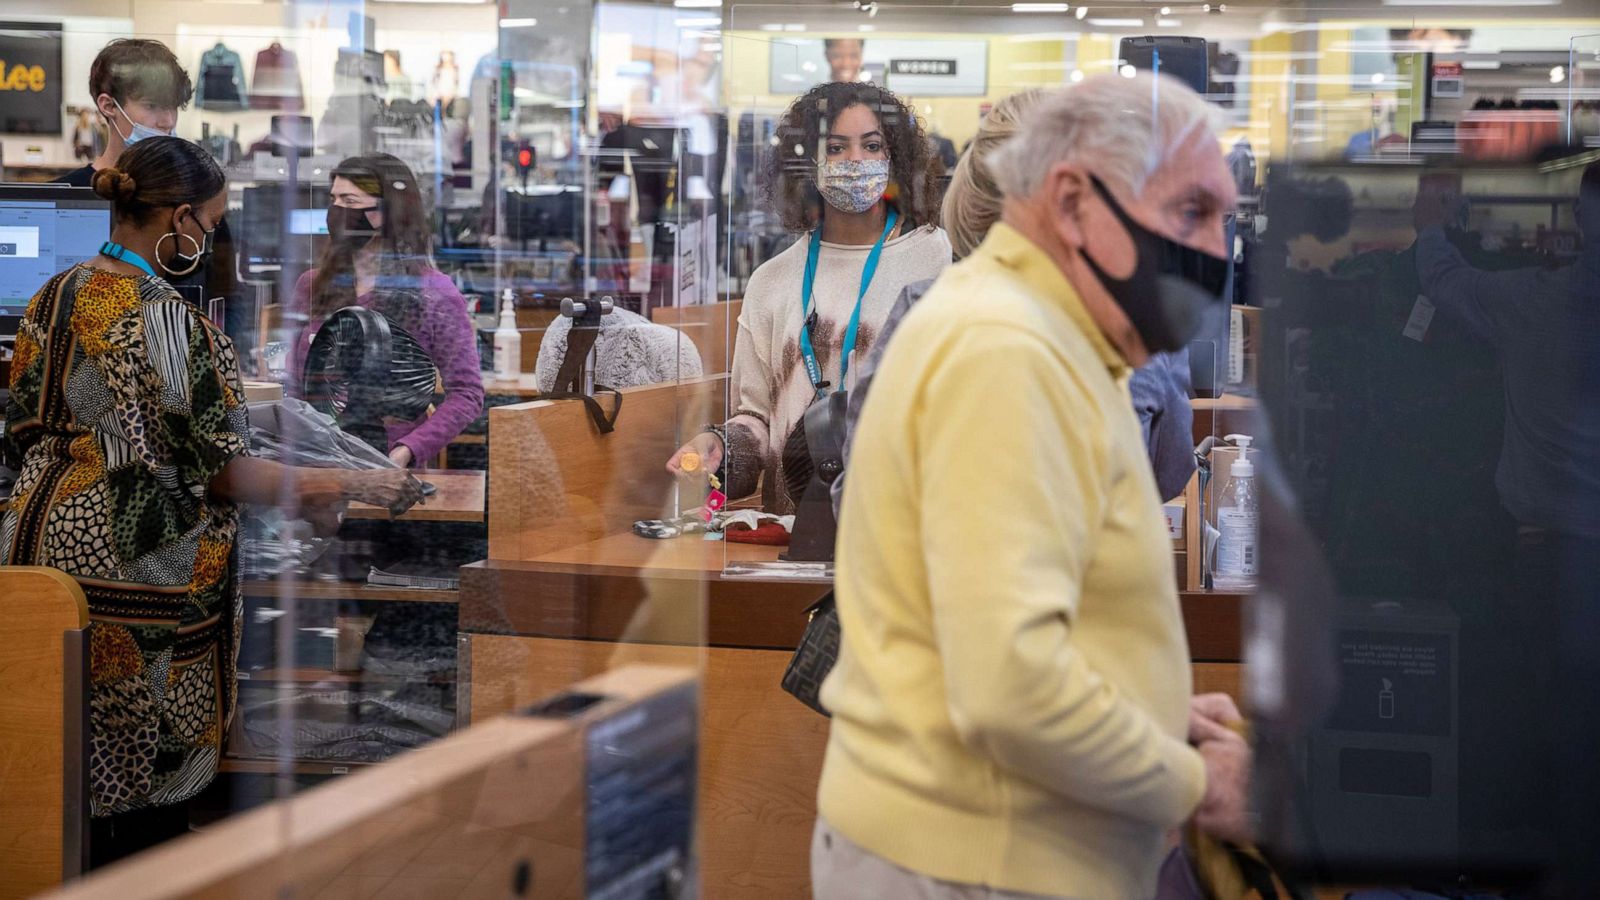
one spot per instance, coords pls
(30, 78)
(21, 78)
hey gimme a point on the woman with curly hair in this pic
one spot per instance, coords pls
(850, 172)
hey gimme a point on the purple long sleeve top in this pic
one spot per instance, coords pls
(446, 334)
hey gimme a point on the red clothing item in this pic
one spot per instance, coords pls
(276, 84)
(771, 534)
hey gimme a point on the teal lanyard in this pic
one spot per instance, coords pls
(118, 252)
(813, 368)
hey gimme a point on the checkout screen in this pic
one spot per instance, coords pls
(39, 238)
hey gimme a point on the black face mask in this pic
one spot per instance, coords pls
(350, 226)
(1172, 289)
(183, 262)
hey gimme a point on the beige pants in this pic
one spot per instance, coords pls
(842, 870)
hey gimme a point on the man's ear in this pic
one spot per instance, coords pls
(1067, 187)
(106, 106)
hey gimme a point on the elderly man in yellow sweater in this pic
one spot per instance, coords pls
(1011, 705)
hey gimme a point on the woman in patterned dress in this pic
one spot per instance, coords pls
(127, 416)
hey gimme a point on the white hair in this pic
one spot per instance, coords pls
(1121, 129)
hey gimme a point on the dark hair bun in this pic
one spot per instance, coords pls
(115, 185)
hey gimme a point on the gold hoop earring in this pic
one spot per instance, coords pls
(196, 257)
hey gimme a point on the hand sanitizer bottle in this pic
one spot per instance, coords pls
(1239, 521)
(507, 341)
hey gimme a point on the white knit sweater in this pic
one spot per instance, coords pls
(771, 390)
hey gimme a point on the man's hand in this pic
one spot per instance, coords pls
(1224, 810)
(1438, 201)
(1218, 708)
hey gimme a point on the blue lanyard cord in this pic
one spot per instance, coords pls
(118, 252)
(809, 353)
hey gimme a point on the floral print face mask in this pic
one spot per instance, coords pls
(853, 185)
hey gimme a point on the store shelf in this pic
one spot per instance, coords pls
(328, 676)
(344, 590)
(1225, 402)
(232, 765)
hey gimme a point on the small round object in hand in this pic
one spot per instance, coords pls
(690, 462)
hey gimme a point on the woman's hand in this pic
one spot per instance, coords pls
(394, 489)
(401, 456)
(699, 458)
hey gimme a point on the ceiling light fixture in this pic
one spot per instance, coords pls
(1169, 23)
(697, 4)
(1081, 12)
(1471, 2)
(1077, 75)
(1040, 7)
(518, 23)
(1117, 23)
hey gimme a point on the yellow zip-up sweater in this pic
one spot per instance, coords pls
(1011, 697)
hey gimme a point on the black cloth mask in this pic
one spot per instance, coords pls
(1172, 288)
(350, 226)
(183, 262)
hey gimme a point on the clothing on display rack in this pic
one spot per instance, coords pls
(944, 150)
(223, 148)
(221, 86)
(1242, 165)
(276, 83)
(445, 86)
(348, 126)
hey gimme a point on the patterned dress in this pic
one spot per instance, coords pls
(125, 402)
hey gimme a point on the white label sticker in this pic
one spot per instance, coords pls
(1421, 317)
(1174, 522)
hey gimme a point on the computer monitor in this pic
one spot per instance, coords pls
(267, 225)
(45, 229)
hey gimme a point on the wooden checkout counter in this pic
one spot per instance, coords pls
(569, 591)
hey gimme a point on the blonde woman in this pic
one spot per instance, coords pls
(971, 206)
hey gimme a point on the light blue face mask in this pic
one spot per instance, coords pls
(139, 132)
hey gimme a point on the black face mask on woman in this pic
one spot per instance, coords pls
(1172, 289)
(183, 262)
(350, 226)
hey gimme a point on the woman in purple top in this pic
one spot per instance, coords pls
(379, 258)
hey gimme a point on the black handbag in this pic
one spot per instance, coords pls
(814, 658)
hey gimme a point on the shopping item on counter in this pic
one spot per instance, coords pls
(402, 579)
(294, 432)
(771, 534)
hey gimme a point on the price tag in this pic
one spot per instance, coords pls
(1421, 317)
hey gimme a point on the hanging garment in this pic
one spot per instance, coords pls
(276, 84)
(220, 86)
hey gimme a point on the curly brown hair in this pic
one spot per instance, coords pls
(791, 163)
